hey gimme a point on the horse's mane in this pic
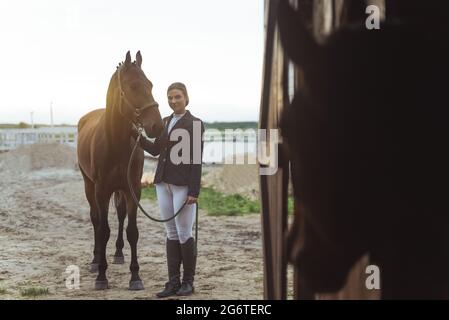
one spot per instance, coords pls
(111, 102)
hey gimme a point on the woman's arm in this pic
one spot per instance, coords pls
(153, 148)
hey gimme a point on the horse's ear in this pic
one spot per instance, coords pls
(139, 59)
(128, 59)
(298, 43)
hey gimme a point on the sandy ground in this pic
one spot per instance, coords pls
(45, 227)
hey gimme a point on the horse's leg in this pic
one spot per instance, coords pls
(102, 199)
(132, 234)
(95, 222)
(89, 188)
(120, 204)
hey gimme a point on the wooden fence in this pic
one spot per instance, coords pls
(13, 138)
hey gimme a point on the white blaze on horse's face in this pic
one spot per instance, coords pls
(177, 100)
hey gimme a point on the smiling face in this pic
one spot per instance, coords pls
(177, 100)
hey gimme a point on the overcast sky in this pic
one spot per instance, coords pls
(65, 52)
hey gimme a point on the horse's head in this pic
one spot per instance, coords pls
(370, 101)
(324, 128)
(136, 101)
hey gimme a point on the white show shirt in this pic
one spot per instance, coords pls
(174, 119)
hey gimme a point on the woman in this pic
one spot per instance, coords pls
(176, 183)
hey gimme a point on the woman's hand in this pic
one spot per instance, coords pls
(191, 200)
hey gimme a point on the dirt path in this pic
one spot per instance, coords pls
(45, 227)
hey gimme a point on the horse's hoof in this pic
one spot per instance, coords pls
(94, 267)
(101, 285)
(136, 285)
(118, 260)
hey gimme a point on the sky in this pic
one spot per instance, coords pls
(62, 53)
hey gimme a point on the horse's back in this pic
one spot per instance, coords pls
(90, 119)
(87, 127)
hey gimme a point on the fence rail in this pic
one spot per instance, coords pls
(13, 138)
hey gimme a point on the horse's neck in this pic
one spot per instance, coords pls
(118, 131)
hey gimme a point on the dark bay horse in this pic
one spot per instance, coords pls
(105, 143)
(368, 142)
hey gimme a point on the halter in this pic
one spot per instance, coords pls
(139, 109)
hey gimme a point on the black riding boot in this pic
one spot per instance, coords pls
(174, 259)
(189, 264)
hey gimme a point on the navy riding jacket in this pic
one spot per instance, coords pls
(186, 173)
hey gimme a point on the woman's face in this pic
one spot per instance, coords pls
(177, 100)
